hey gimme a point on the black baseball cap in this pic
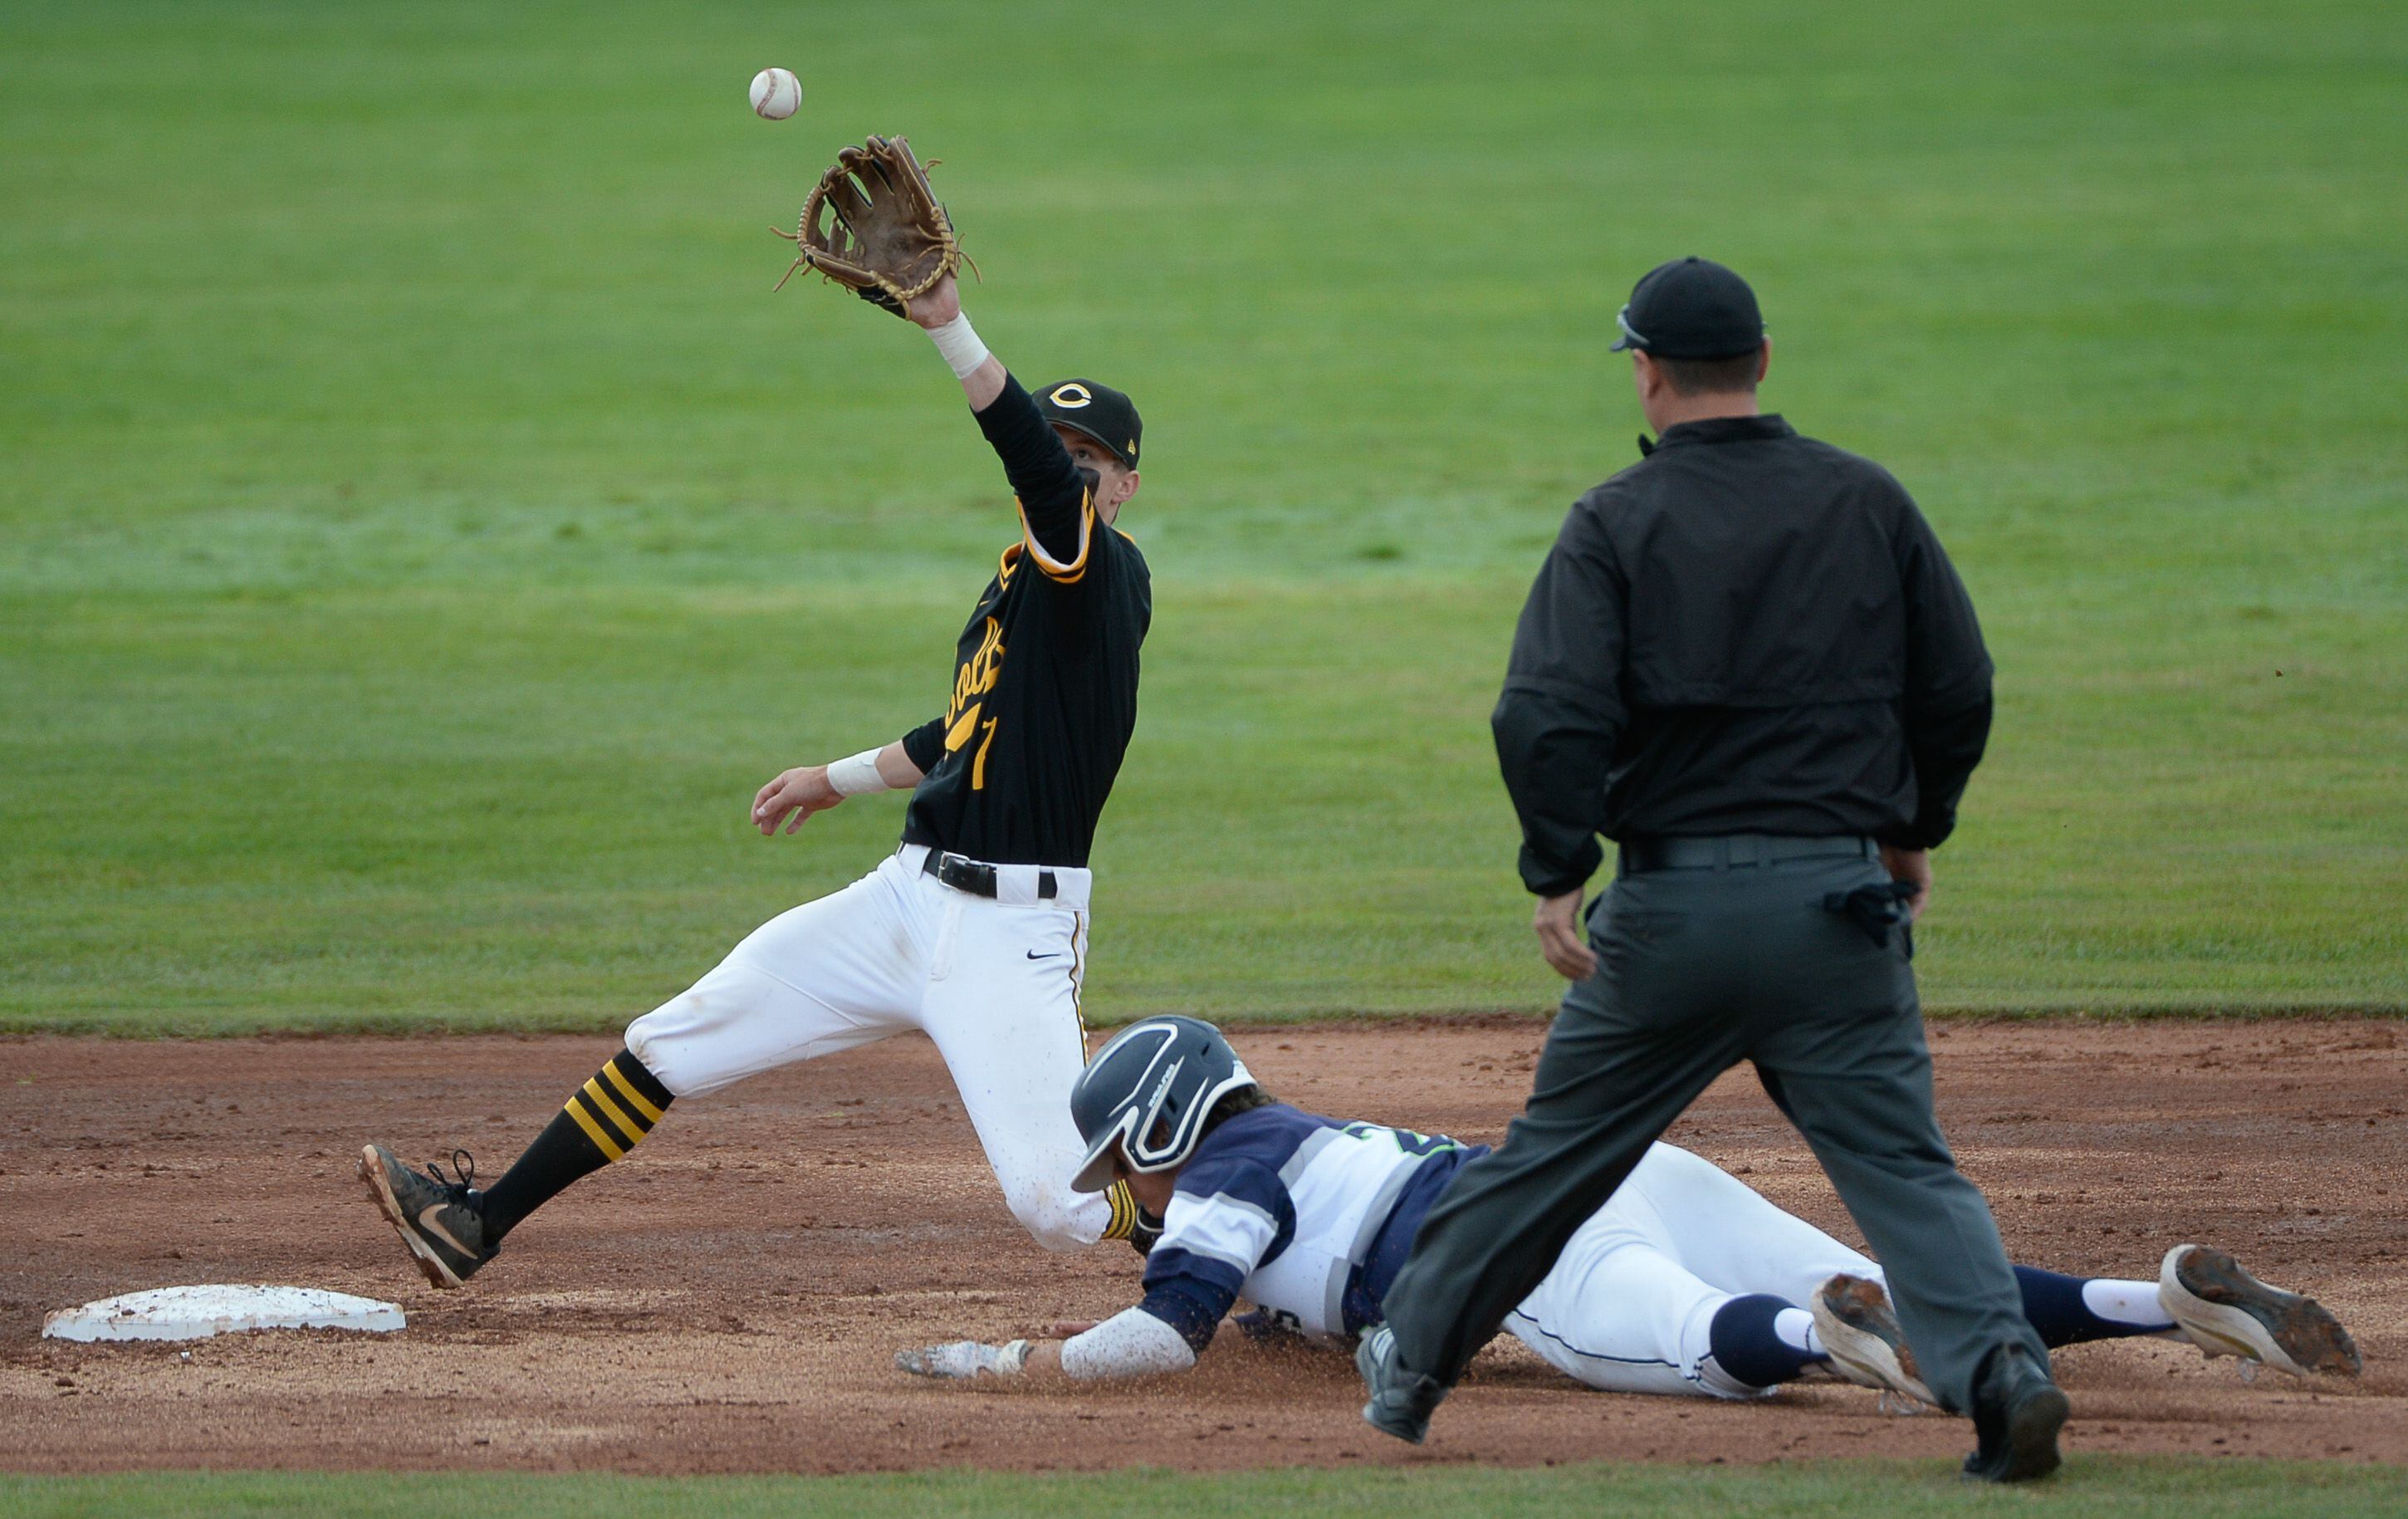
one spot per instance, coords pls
(1691, 309)
(1101, 412)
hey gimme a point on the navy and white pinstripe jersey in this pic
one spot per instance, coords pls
(1305, 1216)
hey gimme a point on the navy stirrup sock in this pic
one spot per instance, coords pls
(1746, 1346)
(2058, 1309)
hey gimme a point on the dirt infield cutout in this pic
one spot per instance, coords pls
(730, 1297)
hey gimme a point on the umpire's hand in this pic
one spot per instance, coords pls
(1913, 865)
(1557, 923)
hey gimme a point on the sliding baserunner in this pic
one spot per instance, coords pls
(1686, 1282)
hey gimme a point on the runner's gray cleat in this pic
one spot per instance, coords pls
(1861, 1335)
(1401, 1402)
(438, 1219)
(2227, 1312)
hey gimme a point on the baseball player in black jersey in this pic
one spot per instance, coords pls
(975, 930)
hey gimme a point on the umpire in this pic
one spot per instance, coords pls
(1748, 661)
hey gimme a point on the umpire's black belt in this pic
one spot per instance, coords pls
(976, 877)
(1737, 850)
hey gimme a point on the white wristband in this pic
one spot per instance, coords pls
(957, 341)
(856, 774)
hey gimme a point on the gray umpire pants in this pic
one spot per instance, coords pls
(1698, 969)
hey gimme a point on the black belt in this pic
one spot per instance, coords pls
(976, 877)
(1726, 851)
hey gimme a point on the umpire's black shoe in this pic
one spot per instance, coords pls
(2017, 1411)
(438, 1219)
(1401, 1402)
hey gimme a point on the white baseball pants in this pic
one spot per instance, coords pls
(1628, 1303)
(994, 982)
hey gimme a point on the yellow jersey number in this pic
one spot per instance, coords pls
(972, 682)
(978, 762)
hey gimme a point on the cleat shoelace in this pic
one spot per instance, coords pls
(463, 1175)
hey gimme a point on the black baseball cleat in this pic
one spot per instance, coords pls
(438, 1219)
(2227, 1312)
(2017, 1411)
(1401, 1402)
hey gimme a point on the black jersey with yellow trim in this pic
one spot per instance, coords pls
(1064, 570)
(1043, 699)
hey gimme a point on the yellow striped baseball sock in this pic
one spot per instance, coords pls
(602, 1120)
(1128, 1221)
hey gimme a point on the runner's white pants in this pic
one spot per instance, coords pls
(1629, 1304)
(994, 983)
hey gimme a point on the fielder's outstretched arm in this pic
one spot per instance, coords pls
(982, 373)
(1056, 498)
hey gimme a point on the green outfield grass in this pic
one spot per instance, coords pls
(423, 529)
(2119, 1487)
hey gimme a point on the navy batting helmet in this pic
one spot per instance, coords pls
(1148, 1091)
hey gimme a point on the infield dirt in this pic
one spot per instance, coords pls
(729, 1298)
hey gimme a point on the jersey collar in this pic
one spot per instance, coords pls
(1721, 430)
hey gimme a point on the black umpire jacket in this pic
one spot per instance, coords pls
(1746, 632)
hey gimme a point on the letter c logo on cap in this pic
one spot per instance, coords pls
(1071, 398)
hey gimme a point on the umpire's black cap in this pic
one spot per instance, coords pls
(1101, 412)
(1691, 309)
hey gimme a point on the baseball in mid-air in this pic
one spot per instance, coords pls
(777, 94)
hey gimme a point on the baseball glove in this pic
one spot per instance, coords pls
(871, 223)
